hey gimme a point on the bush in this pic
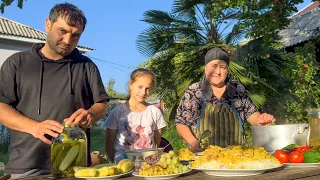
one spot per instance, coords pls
(171, 134)
(4, 145)
(97, 140)
(4, 138)
(305, 91)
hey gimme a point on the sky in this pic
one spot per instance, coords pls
(112, 29)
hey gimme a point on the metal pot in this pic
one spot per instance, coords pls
(278, 136)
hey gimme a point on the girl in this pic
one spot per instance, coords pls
(134, 124)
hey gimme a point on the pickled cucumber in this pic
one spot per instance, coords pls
(59, 157)
(68, 152)
(81, 159)
(69, 158)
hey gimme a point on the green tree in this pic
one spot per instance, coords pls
(180, 39)
(111, 92)
(305, 80)
(9, 2)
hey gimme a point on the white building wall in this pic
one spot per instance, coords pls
(8, 48)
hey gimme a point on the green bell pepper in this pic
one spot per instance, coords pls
(290, 146)
(311, 156)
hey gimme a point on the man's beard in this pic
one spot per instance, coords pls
(55, 47)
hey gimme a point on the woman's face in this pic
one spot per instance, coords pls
(216, 72)
(140, 88)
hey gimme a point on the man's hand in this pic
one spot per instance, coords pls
(264, 120)
(50, 127)
(82, 117)
(194, 146)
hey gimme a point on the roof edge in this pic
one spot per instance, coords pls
(301, 10)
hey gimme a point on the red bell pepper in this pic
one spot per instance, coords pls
(303, 148)
(299, 149)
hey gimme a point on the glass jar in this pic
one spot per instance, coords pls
(314, 128)
(69, 149)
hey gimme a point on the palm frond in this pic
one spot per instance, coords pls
(181, 6)
(157, 17)
(258, 99)
(234, 36)
(153, 40)
(237, 72)
(266, 85)
(159, 38)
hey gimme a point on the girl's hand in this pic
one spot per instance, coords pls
(265, 120)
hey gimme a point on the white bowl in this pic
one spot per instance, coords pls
(138, 155)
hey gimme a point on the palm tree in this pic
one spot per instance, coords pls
(8, 3)
(180, 39)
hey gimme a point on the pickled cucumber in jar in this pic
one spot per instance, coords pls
(69, 149)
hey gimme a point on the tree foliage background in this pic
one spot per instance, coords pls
(177, 41)
(5, 3)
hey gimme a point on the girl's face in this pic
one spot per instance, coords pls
(216, 72)
(140, 88)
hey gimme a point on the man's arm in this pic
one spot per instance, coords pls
(88, 117)
(16, 121)
(98, 111)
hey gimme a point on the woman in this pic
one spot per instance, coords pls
(217, 103)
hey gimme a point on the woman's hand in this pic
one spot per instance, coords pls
(195, 146)
(264, 120)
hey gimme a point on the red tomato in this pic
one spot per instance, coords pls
(282, 156)
(296, 157)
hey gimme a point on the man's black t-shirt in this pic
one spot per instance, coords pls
(42, 89)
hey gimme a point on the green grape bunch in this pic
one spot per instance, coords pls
(169, 163)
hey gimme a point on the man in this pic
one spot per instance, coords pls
(42, 87)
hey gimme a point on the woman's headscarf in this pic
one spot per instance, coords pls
(216, 54)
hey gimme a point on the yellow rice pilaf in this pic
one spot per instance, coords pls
(235, 157)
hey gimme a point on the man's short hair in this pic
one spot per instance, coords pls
(68, 12)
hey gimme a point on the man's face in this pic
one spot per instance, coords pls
(62, 38)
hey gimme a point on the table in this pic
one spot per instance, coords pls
(307, 173)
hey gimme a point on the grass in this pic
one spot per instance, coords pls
(4, 157)
(97, 140)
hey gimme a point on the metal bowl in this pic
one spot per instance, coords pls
(278, 136)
